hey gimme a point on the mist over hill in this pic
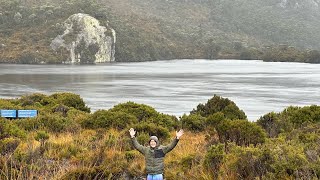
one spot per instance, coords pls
(165, 29)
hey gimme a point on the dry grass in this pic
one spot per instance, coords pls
(185, 161)
(67, 152)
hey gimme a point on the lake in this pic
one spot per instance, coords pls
(173, 87)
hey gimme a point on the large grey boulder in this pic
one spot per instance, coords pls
(86, 40)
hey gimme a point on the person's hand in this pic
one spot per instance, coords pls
(132, 132)
(179, 133)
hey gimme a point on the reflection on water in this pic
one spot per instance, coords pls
(173, 87)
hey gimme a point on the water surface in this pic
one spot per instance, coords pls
(172, 87)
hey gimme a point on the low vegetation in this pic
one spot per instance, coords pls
(66, 141)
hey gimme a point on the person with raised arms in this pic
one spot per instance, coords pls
(154, 154)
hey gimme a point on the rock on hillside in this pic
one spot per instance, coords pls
(86, 40)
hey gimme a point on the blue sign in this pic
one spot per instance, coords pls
(8, 113)
(27, 113)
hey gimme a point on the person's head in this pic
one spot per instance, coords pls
(153, 141)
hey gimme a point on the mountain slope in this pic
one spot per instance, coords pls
(163, 29)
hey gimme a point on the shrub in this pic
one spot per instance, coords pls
(153, 130)
(70, 100)
(270, 123)
(219, 104)
(140, 111)
(189, 161)
(307, 114)
(288, 160)
(55, 122)
(77, 116)
(143, 138)
(167, 121)
(214, 158)
(131, 155)
(41, 136)
(29, 124)
(249, 163)
(144, 113)
(7, 104)
(193, 122)
(232, 111)
(32, 99)
(109, 119)
(60, 108)
(214, 119)
(8, 129)
(241, 132)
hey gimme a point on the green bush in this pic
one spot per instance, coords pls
(143, 138)
(249, 163)
(41, 136)
(140, 111)
(307, 114)
(215, 119)
(29, 124)
(144, 113)
(7, 104)
(288, 160)
(29, 100)
(8, 129)
(232, 111)
(131, 155)
(109, 119)
(167, 121)
(189, 161)
(153, 130)
(271, 124)
(193, 122)
(60, 108)
(289, 119)
(241, 132)
(70, 100)
(219, 104)
(77, 115)
(214, 158)
(55, 122)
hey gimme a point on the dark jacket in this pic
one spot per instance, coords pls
(154, 157)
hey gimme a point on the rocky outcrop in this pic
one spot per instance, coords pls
(86, 40)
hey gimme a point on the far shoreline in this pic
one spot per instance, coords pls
(164, 60)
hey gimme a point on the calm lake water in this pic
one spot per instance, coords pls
(172, 87)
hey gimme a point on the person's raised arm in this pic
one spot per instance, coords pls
(173, 144)
(179, 133)
(135, 143)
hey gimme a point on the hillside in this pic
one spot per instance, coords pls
(164, 29)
